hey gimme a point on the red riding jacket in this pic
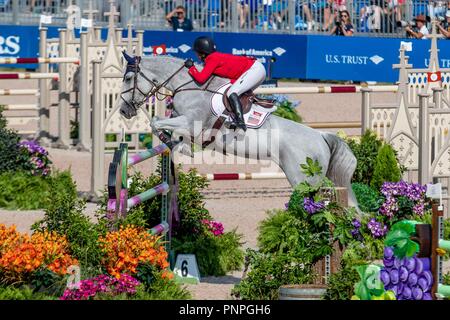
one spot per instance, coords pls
(223, 65)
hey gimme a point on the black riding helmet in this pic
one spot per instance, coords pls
(204, 45)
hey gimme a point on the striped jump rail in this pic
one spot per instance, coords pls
(27, 75)
(244, 176)
(39, 60)
(118, 200)
(19, 92)
(325, 89)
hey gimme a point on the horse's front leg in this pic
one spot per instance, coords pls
(179, 127)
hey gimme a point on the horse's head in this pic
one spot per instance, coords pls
(136, 87)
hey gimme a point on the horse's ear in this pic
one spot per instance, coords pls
(129, 59)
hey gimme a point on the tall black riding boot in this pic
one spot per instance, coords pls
(237, 109)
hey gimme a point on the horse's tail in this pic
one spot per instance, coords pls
(342, 164)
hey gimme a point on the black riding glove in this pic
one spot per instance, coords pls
(188, 63)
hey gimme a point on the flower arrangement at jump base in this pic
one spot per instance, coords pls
(130, 246)
(215, 227)
(21, 255)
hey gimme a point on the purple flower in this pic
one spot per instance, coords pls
(376, 228)
(356, 223)
(312, 207)
(412, 191)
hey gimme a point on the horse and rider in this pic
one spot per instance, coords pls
(203, 101)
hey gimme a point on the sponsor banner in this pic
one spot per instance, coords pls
(317, 57)
(283, 55)
(364, 59)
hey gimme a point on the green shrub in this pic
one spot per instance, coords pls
(283, 233)
(341, 284)
(23, 293)
(365, 151)
(216, 255)
(368, 199)
(10, 157)
(22, 191)
(268, 272)
(386, 167)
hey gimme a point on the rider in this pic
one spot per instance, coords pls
(245, 73)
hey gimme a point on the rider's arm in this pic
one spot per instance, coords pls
(202, 76)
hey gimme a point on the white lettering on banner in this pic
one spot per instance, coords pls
(443, 63)
(252, 52)
(347, 59)
(9, 45)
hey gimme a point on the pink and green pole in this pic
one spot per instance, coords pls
(148, 194)
(161, 228)
(139, 157)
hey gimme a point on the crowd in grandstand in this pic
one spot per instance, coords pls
(412, 18)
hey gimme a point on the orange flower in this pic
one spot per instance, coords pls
(126, 248)
(21, 254)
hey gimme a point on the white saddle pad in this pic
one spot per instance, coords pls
(254, 119)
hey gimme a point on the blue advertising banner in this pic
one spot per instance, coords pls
(363, 59)
(285, 56)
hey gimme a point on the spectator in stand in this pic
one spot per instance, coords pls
(438, 8)
(343, 25)
(444, 27)
(178, 21)
(371, 16)
(420, 31)
(247, 12)
(331, 11)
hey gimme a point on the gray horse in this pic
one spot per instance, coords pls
(285, 142)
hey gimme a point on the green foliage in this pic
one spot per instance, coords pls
(341, 284)
(311, 168)
(10, 156)
(216, 255)
(283, 233)
(365, 151)
(268, 272)
(286, 109)
(368, 199)
(22, 191)
(74, 129)
(386, 167)
(64, 215)
(23, 293)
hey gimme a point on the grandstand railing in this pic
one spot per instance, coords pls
(369, 17)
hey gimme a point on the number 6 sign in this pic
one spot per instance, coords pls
(186, 269)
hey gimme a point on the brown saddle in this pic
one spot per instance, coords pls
(247, 99)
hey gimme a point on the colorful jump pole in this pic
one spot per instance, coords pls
(139, 157)
(39, 60)
(325, 89)
(148, 194)
(118, 201)
(244, 176)
(28, 75)
(161, 228)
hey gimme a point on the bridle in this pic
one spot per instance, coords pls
(133, 66)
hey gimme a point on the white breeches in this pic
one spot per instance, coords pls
(250, 80)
